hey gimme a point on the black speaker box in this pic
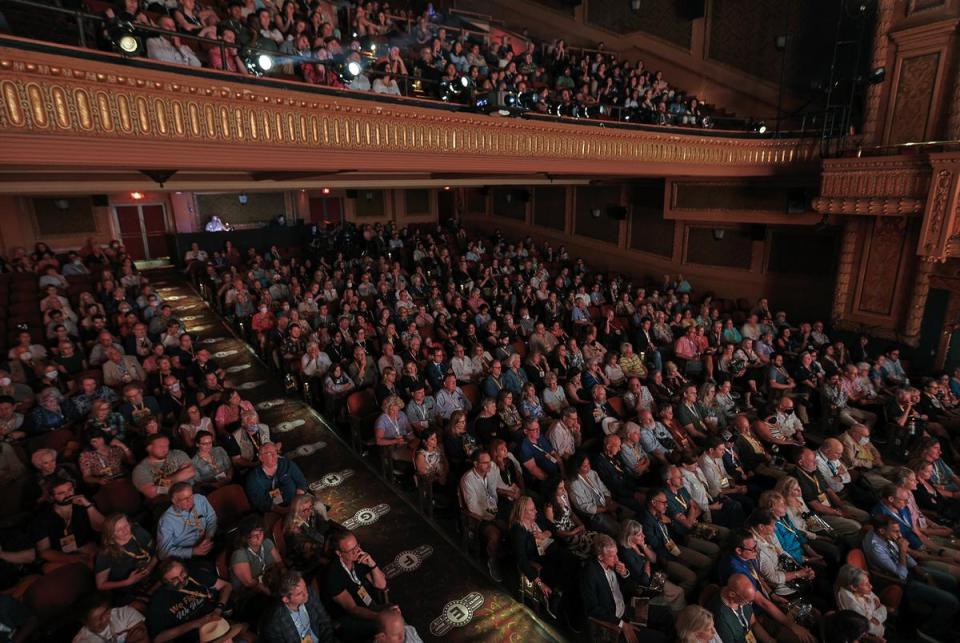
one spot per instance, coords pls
(617, 212)
(351, 194)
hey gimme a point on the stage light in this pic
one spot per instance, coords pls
(124, 37)
(325, 191)
(243, 198)
(446, 187)
(760, 127)
(258, 63)
(528, 100)
(136, 196)
(877, 75)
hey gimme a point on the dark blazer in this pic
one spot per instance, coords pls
(596, 593)
(614, 476)
(277, 625)
(655, 537)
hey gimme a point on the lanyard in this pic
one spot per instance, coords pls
(742, 617)
(595, 490)
(205, 593)
(813, 479)
(141, 553)
(679, 499)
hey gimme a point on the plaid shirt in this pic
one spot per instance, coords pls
(278, 625)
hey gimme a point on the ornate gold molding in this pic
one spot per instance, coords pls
(49, 95)
(883, 206)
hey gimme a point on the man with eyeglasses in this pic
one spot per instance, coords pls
(743, 563)
(190, 595)
(352, 585)
(186, 529)
(684, 566)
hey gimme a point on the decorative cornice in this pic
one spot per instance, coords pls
(898, 178)
(75, 99)
(865, 206)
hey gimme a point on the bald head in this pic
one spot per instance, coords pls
(832, 448)
(391, 627)
(742, 586)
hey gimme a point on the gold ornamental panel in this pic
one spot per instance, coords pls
(56, 95)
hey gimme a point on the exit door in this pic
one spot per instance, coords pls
(143, 230)
(325, 210)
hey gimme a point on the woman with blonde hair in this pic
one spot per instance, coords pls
(125, 561)
(695, 625)
(308, 535)
(639, 558)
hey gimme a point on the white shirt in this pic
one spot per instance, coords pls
(615, 590)
(315, 366)
(464, 369)
(695, 484)
(122, 619)
(588, 493)
(787, 425)
(562, 439)
(868, 606)
(714, 474)
(830, 469)
(480, 494)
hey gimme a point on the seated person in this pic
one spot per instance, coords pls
(186, 529)
(244, 443)
(253, 563)
(480, 488)
(125, 561)
(65, 529)
(161, 468)
(352, 588)
(273, 484)
(308, 535)
(538, 457)
(591, 498)
(189, 596)
(855, 592)
(298, 615)
(212, 464)
(101, 622)
(684, 566)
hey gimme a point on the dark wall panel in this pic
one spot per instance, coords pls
(733, 251)
(649, 231)
(665, 19)
(417, 201)
(370, 203)
(55, 219)
(549, 207)
(602, 228)
(507, 202)
(803, 251)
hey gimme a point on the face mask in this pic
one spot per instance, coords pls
(864, 441)
(174, 388)
(26, 356)
(5, 381)
(52, 375)
(252, 428)
(263, 310)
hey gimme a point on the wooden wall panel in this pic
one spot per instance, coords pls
(417, 201)
(76, 218)
(370, 203)
(912, 105)
(882, 265)
(507, 203)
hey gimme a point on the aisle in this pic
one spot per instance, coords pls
(442, 592)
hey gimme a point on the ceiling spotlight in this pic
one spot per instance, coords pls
(446, 187)
(876, 76)
(354, 68)
(125, 38)
(760, 127)
(243, 198)
(136, 196)
(325, 191)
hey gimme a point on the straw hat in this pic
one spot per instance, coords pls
(217, 631)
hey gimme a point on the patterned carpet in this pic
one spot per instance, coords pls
(442, 592)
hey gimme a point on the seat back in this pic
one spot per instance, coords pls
(52, 595)
(231, 505)
(856, 558)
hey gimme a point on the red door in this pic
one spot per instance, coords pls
(131, 231)
(325, 210)
(155, 229)
(143, 231)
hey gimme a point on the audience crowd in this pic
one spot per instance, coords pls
(644, 460)
(401, 52)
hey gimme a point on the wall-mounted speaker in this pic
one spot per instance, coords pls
(351, 194)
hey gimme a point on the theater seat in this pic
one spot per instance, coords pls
(231, 504)
(52, 596)
(118, 496)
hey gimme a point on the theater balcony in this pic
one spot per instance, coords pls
(70, 108)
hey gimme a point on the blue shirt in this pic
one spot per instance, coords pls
(884, 556)
(287, 479)
(178, 531)
(791, 540)
(538, 453)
